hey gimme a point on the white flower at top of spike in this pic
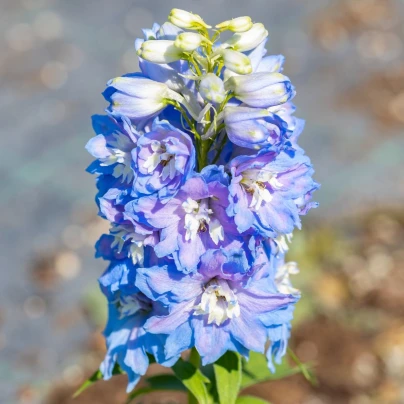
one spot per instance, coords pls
(160, 51)
(248, 40)
(239, 24)
(212, 89)
(237, 61)
(189, 41)
(187, 20)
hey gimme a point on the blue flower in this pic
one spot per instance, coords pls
(197, 259)
(267, 189)
(112, 146)
(162, 161)
(216, 308)
(193, 221)
(128, 343)
(111, 197)
(127, 240)
(254, 128)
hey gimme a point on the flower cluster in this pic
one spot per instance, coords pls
(202, 179)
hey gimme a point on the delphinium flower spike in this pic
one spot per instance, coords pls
(200, 175)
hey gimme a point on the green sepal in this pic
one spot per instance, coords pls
(228, 376)
(194, 380)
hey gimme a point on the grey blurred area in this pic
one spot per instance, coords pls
(345, 57)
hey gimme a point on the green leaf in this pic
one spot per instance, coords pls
(157, 383)
(193, 379)
(95, 377)
(251, 400)
(166, 381)
(228, 377)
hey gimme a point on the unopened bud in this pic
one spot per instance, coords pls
(239, 24)
(160, 51)
(212, 89)
(189, 41)
(187, 20)
(237, 62)
(261, 90)
(248, 40)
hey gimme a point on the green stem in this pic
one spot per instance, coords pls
(203, 155)
(219, 150)
(195, 360)
(195, 64)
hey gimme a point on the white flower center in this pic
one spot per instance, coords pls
(282, 242)
(198, 219)
(120, 154)
(282, 278)
(218, 301)
(124, 233)
(160, 156)
(256, 183)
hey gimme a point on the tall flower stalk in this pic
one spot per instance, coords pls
(200, 174)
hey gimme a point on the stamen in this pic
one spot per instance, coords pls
(199, 218)
(218, 301)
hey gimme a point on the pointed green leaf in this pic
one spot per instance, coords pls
(157, 383)
(193, 379)
(166, 381)
(228, 377)
(251, 400)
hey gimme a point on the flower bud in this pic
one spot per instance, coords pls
(237, 62)
(189, 41)
(184, 19)
(271, 64)
(261, 90)
(138, 97)
(212, 89)
(248, 40)
(160, 51)
(253, 128)
(239, 24)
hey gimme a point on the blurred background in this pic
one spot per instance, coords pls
(346, 59)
